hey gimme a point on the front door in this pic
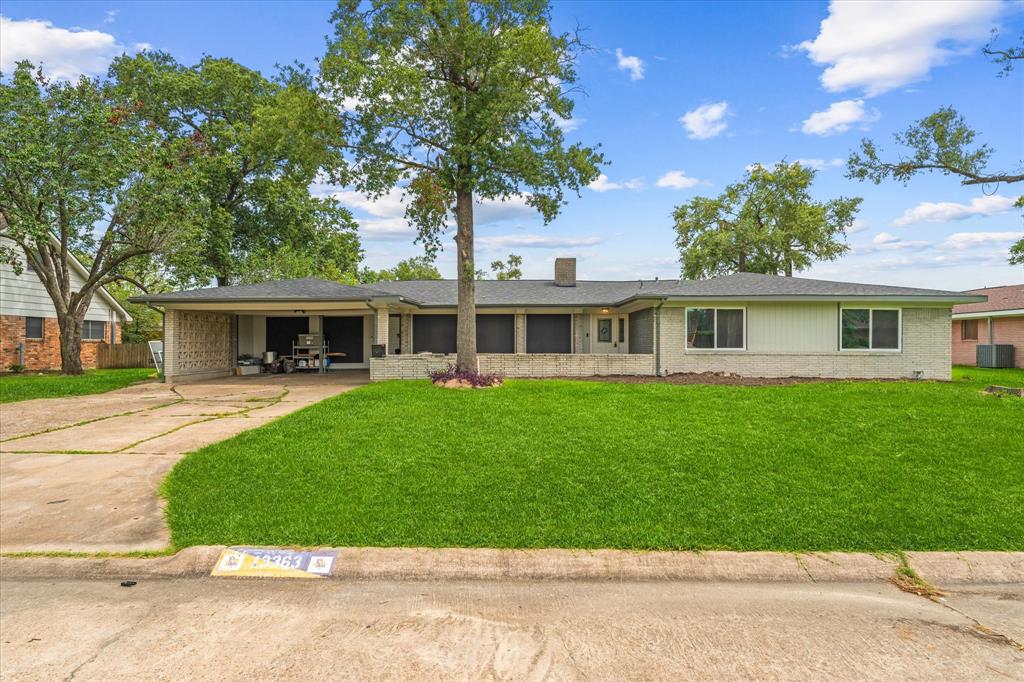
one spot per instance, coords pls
(609, 335)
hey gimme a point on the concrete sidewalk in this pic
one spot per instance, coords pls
(231, 629)
(82, 473)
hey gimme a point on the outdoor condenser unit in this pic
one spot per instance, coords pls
(994, 355)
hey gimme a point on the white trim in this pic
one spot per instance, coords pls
(1013, 312)
(716, 349)
(871, 324)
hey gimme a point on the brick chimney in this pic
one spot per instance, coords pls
(565, 272)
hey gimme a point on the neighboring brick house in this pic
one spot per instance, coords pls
(1000, 319)
(747, 324)
(29, 334)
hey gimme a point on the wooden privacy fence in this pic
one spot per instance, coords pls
(122, 355)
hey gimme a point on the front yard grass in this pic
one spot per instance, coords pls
(856, 466)
(28, 386)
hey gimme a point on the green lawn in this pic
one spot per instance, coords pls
(829, 466)
(28, 386)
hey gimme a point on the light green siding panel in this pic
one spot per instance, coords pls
(792, 327)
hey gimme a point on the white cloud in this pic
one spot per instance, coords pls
(884, 241)
(943, 211)
(820, 164)
(603, 184)
(969, 240)
(567, 125)
(676, 179)
(838, 118)
(705, 121)
(534, 241)
(634, 65)
(858, 226)
(64, 53)
(111, 16)
(880, 45)
(885, 238)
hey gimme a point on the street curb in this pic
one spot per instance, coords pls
(422, 564)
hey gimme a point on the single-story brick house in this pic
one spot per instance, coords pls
(747, 324)
(29, 334)
(1000, 319)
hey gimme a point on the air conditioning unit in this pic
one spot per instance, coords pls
(994, 355)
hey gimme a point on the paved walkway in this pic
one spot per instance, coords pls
(237, 629)
(81, 474)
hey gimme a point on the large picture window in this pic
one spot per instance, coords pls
(716, 328)
(869, 329)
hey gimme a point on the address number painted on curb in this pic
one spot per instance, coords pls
(274, 563)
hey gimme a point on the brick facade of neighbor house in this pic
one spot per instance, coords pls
(925, 348)
(44, 354)
(198, 345)
(1008, 330)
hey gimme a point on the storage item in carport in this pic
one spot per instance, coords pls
(994, 355)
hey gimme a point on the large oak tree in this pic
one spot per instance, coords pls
(81, 175)
(457, 101)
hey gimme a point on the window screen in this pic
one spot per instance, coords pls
(433, 333)
(548, 333)
(496, 333)
(729, 328)
(885, 329)
(33, 327)
(93, 330)
(969, 330)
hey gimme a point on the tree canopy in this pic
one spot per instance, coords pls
(766, 223)
(262, 143)
(456, 101)
(417, 267)
(81, 175)
(510, 269)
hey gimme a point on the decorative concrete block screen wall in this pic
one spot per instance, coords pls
(536, 365)
(198, 345)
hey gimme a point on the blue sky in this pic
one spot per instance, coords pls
(681, 97)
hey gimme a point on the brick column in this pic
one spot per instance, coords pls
(381, 327)
(520, 333)
(406, 328)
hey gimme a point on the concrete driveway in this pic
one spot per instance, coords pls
(81, 474)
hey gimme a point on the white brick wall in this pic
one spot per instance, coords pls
(926, 347)
(515, 365)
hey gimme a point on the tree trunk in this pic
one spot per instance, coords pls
(70, 344)
(465, 337)
(789, 267)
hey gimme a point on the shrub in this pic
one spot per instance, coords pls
(16, 368)
(468, 377)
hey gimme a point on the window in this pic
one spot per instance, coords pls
(710, 328)
(622, 330)
(33, 327)
(549, 333)
(434, 333)
(968, 330)
(869, 329)
(604, 330)
(93, 330)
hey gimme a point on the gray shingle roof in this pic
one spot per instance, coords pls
(307, 289)
(537, 293)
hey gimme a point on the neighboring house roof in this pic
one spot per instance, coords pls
(542, 293)
(1002, 302)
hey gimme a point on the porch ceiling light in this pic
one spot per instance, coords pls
(604, 311)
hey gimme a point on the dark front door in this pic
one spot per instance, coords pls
(344, 335)
(282, 332)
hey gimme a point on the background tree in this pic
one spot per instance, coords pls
(81, 175)
(415, 268)
(510, 269)
(456, 101)
(942, 142)
(263, 143)
(766, 223)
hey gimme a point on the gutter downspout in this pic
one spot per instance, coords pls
(990, 339)
(657, 338)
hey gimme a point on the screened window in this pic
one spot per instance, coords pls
(709, 328)
(496, 333)
(969, 330)
(869, 329)
(93, 330)
(549, 333)
(433, 333)
(33, 327)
